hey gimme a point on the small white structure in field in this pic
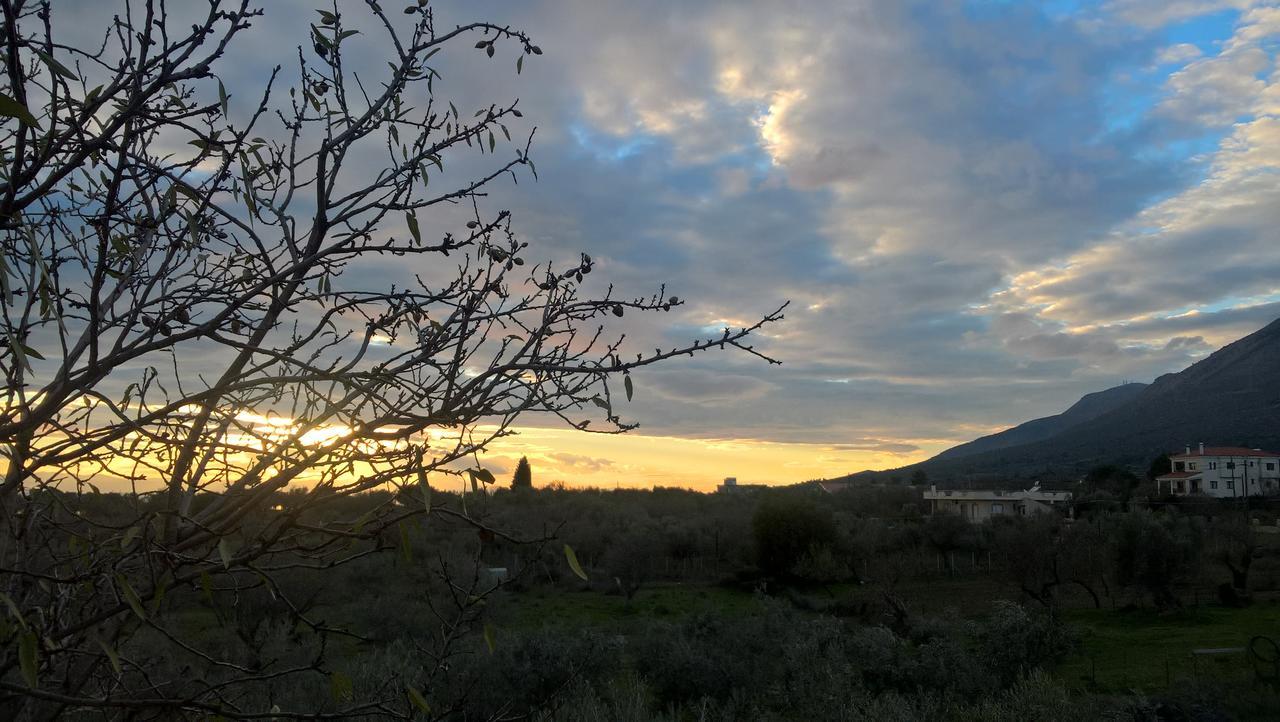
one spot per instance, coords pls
(978, 505)
(1222, 472)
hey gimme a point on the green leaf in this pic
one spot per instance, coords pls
(158, 598)
(361, 521)
(222, 97)
(111, 656)
(11, 108)
(131, 597)
(55, 66)
(341, 687)
(412, 220)
(425, 488)
(626, 384)
(406, 549)
(186, 190)
(417, 699)
(206, 586)
(224, 551)
(573, 562)
(129, 535)
(488, 637)
(600, 402)
(29, 658)
(482, 474)
(519, 64)
(13, 609)
(492, 141)
(18, 350)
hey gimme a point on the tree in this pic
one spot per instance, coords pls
(629, 559)
(523, 478)
(1159, 466)
(919, 478)
(202, 307)
(785, 528)
(1155, 552)
(1111, 479)
(1042, 555)
(1233, 543)
(949, 533)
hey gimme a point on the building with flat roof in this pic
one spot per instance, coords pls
(979, 505)
(731, 485)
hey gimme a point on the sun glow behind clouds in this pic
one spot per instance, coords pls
(637, 460)
(773, 137)
(579, 459)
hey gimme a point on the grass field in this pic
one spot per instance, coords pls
(1147, 651)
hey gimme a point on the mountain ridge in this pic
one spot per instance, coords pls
(1088, 407)
(1231, 397)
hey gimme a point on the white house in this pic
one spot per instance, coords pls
(1222, 472)
(979, 505)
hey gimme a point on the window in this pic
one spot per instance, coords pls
(1179, 466)
(1231, 483)
(1191, 466)
(1213, 465)
(997, 508)
(1213, 483)
(1182, 487)
(1271, 466)
(1250, 463)
(1231, 464)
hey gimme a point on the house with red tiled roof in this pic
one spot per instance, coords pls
(1222, 472)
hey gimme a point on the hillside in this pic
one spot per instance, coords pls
(1087, 408)
(1232, 397)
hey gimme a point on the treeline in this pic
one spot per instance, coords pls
(1165, 556)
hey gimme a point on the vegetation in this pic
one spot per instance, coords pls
(523, 477)
(309, 532)
(204, 301)
(679, 617)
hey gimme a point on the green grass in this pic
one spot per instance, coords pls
(1147, 651)
(542, 606)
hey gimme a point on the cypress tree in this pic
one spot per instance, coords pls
(523, 478)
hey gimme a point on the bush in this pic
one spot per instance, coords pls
(527, 673)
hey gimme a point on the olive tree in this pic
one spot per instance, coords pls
(202, 307)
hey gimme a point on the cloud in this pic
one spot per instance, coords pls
(1157, 13)
(979, 211)
(1179, 53)
(579, 462)
(699, 386)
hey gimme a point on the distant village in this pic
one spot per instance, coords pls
(1200, 472)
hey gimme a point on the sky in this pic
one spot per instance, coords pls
(979, 210)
